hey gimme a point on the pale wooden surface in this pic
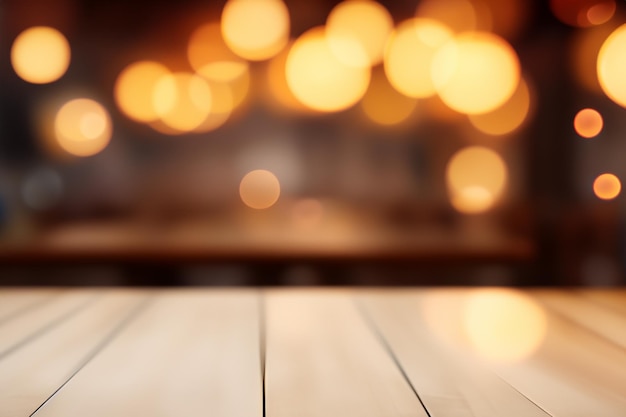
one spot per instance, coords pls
(312, 352)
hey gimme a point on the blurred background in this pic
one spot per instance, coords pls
(269, 142)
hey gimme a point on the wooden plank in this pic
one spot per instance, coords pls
(14, 302)
(594, 317)
(574, 373)
(322, 360)
(449, 383)
(34, 372)
(27, 327)
(188, 353)
(613, 299)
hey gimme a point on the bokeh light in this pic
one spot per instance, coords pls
(255, 30)
(476, 72)
(357, 31)
(83, 127)
(588, 123)
(134, 90)
(383, 104)
(211, 58)
(583, 13)
(278, 93)
(40, 55)
(409, 55)
(506, 118)
(206, 45)
(182, 100)
(476, 178)
(607, 186)
(504, 325)
(222, 106)
(235, 75)
(584, 51)
(458, 15)
(259, 189)
(612, 66)
(318, 79)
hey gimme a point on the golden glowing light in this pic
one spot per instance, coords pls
(588, 123)
(357, 31)
(607, 186)
(476, 72)
(383, 104)
(409, 55)
(206, 45)
(255, 30)
(458, 15)
(235, 75)
(182, 100)
(584, 55)
(222, 106)
(277, 89)
(476, 177)
(259, 189)
(612, 66)
(40, 55)
(318, 79)
(211, 58)
(504, 325)
(583, 13)
(134, 89)
(82, 127)
(506, 118)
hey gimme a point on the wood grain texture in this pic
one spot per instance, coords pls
(324, 361)
(450, 383)
(34, 372)
(15, 302)
(312, 353)
(575, 372)
(35, 322)
(188, 353)
(604, 322)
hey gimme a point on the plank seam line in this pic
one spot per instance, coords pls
(48, 326)
(381, 339)
(262, 344)
(27, 308)
(559, 314)
(522, 394)
(108, 338)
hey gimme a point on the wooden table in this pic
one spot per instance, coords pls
(312, 352)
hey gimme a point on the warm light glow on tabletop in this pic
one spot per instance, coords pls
(504, 325)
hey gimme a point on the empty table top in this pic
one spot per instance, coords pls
(312, 352)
